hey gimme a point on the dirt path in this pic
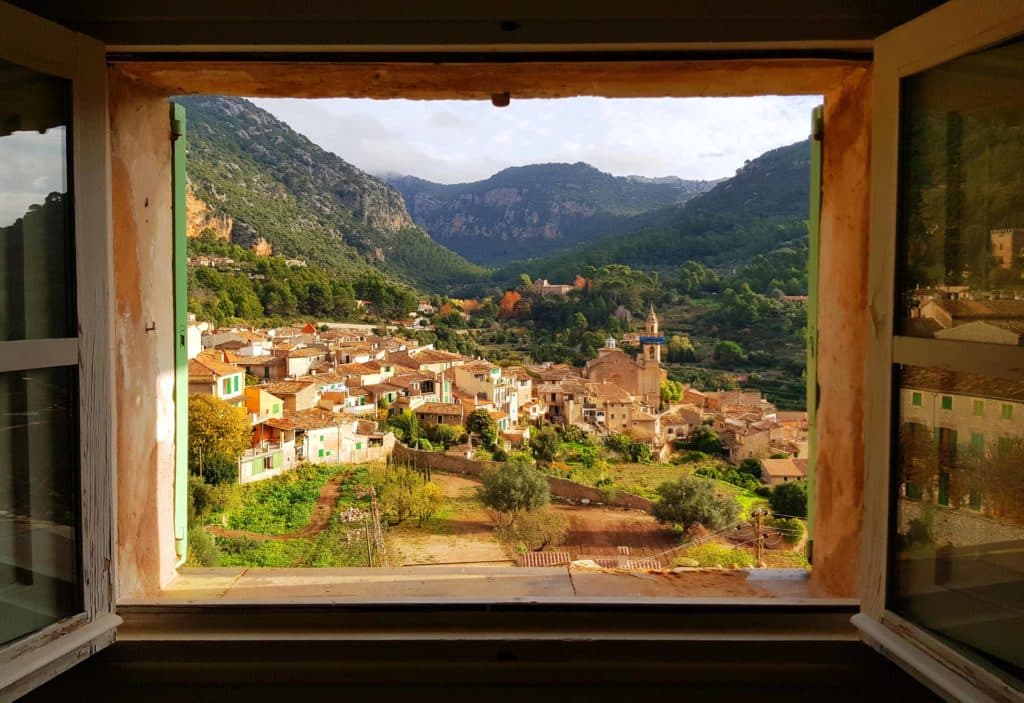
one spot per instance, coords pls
(317, 522)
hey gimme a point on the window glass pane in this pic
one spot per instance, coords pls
(958, 555)
(961, 220)
(36, 260)
(39, 571)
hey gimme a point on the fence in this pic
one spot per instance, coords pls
(560, 487)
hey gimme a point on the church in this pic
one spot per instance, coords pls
(640, 376)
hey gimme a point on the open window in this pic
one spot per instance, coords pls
(56, 377)
(945, 494)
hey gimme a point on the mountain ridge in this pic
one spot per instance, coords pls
(550, 207)
(279, 186)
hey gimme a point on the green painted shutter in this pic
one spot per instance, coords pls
(279, 460)
(813, 247)
(179, 258)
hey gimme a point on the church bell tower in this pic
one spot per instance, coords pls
(651, 341)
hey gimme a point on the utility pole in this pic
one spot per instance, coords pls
(759, 541)
(366, 532)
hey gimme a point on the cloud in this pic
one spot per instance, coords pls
(452, 141)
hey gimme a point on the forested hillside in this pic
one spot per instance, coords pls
(761, 208)
(308, 203)
(541, 208)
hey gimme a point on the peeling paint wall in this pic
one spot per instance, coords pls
(143, 330)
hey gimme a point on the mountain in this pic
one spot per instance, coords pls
(541, 208)
(254, 180)
(761, 208)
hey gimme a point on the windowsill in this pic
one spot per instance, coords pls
(485, 584)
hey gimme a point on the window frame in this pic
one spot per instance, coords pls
(49, 48)
(954, 29)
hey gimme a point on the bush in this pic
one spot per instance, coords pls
(790, 498)
(692, 500)
(763, 491)
(573, 434)
(608, 493)
(709, 472)
(531, 529)
(706, 440)
(692, 456)
(751, 466)
(202, 551)
(200, 499)
(447, 435)
(712, 554)
(792, 529)
(745, 481)
(619, 442)
(515, 485)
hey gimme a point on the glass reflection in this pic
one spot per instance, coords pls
(961, 221)
(958, 564)
(39, 571)
(36, 265)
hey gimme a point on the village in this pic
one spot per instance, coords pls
(323, 395)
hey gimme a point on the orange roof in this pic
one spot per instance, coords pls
(208, 365)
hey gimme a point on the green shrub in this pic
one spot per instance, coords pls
(220, 468)
(790, 498)
(792, 529)
(763, 491)
(202, 551)
(752, 467)
(693, 456)
(608, 493)
(709, 472)
(711, 554)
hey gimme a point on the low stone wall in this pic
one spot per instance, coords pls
(961, 528)
(560, 487)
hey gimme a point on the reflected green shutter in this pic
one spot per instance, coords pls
(179, 262)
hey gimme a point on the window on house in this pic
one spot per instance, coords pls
(947, 402)
(916, 399)
(979, 408)
(1007, 412)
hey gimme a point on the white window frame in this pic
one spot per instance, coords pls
(952, 30)
(49, 48)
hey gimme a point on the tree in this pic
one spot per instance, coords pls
(480, 423)
(531, 529)
(704, 439)
(680, 349)
(692, 500)
(671, 391)
(515, 485)
(728, 353)
(406, 426)
(447, 435)
(545, 444)
(752, 466)
(218, 432)
(790, 499)
(404, 494)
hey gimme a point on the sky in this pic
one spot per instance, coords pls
(458, 141)
(33, 167)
